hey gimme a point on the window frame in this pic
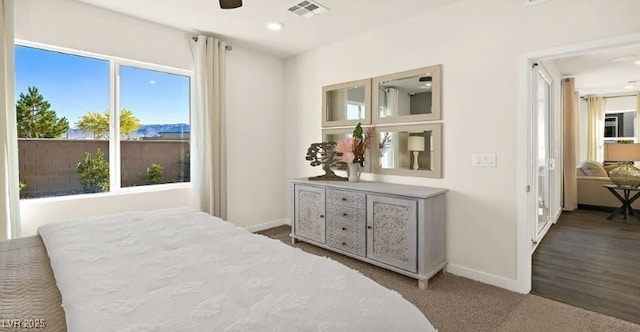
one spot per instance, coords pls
(115, 164)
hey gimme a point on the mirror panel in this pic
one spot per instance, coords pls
(408, 96)
(414, 150)
(335, 134)
(346, 103)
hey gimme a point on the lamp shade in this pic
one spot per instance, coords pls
(416, 143)
(622, 152)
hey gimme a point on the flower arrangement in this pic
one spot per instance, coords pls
(352, 148)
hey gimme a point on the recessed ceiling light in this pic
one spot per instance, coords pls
(628, 86)
(274, 26)
(637, 62)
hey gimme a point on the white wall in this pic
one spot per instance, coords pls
(254, 105)
(478, 43)
(620, 104)
(79, 26)
(37, 212)
(255, 135)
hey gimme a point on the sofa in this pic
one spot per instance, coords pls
(592, 175)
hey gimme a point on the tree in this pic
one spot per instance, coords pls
(93, 172)
(98, 123)
(36, 119)
(128, 122)
(94, 123)
(154, 175)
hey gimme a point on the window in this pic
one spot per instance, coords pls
(90, 124)
(611, 126)
(619, 126)
(355, 110)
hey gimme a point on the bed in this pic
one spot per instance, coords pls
(183, 270)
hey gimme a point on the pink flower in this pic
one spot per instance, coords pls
(345, 145)
(348, 157)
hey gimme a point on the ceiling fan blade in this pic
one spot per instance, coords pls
(230, 4)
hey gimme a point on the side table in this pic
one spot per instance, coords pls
(626, 201)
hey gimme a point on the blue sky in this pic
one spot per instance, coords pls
(74, 85)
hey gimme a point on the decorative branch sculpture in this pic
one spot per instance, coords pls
(324, 154)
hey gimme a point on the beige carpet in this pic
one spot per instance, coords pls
(458, 304)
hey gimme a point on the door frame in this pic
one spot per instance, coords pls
(538, 68)
(526, 164)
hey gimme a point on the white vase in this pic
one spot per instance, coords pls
(353, 172)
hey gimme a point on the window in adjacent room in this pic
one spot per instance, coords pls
(619, 126)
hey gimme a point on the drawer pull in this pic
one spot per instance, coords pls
(369, 227)
(344, 199)
(344, 243)
(344, 228)
(344, 214)
(322, 216)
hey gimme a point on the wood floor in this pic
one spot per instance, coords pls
(591, 262)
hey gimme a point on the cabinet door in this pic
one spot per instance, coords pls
(309, 213)
(392, 231)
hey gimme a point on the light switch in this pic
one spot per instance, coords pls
(484, 160)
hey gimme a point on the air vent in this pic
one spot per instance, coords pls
(534, 2)
(307, 9)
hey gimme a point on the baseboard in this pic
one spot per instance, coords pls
(483, 277)
(267, 225)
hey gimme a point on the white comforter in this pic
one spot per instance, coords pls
(183, 270)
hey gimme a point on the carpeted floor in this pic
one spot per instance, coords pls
(458, 304)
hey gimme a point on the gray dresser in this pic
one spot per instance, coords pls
(398, 227)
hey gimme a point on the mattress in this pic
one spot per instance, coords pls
(183, 270)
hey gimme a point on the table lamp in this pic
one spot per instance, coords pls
(416, 144)
(625, 175)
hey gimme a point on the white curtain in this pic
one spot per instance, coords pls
(595, 128)
(392, 101)
(9, 199)
(637, 124)
(339, 105)
(208, 123)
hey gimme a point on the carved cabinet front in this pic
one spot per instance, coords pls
(310, 213)
(391, 227)
(394, 226)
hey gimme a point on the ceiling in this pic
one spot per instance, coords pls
(604, 72)
(246, 25)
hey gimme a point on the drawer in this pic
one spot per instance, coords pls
(346, 198)
(346, 228)
(345, 214)
(353, 243)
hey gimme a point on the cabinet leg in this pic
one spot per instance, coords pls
(294, 240)
(422, 284)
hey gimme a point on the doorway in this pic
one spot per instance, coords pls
(532, 181)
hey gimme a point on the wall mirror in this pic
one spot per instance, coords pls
(412, 95)
(413, 150)
(346, 104)
(335, 134)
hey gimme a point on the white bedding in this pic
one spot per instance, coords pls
(183, 270)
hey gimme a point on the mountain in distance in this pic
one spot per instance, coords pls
(150, 130)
